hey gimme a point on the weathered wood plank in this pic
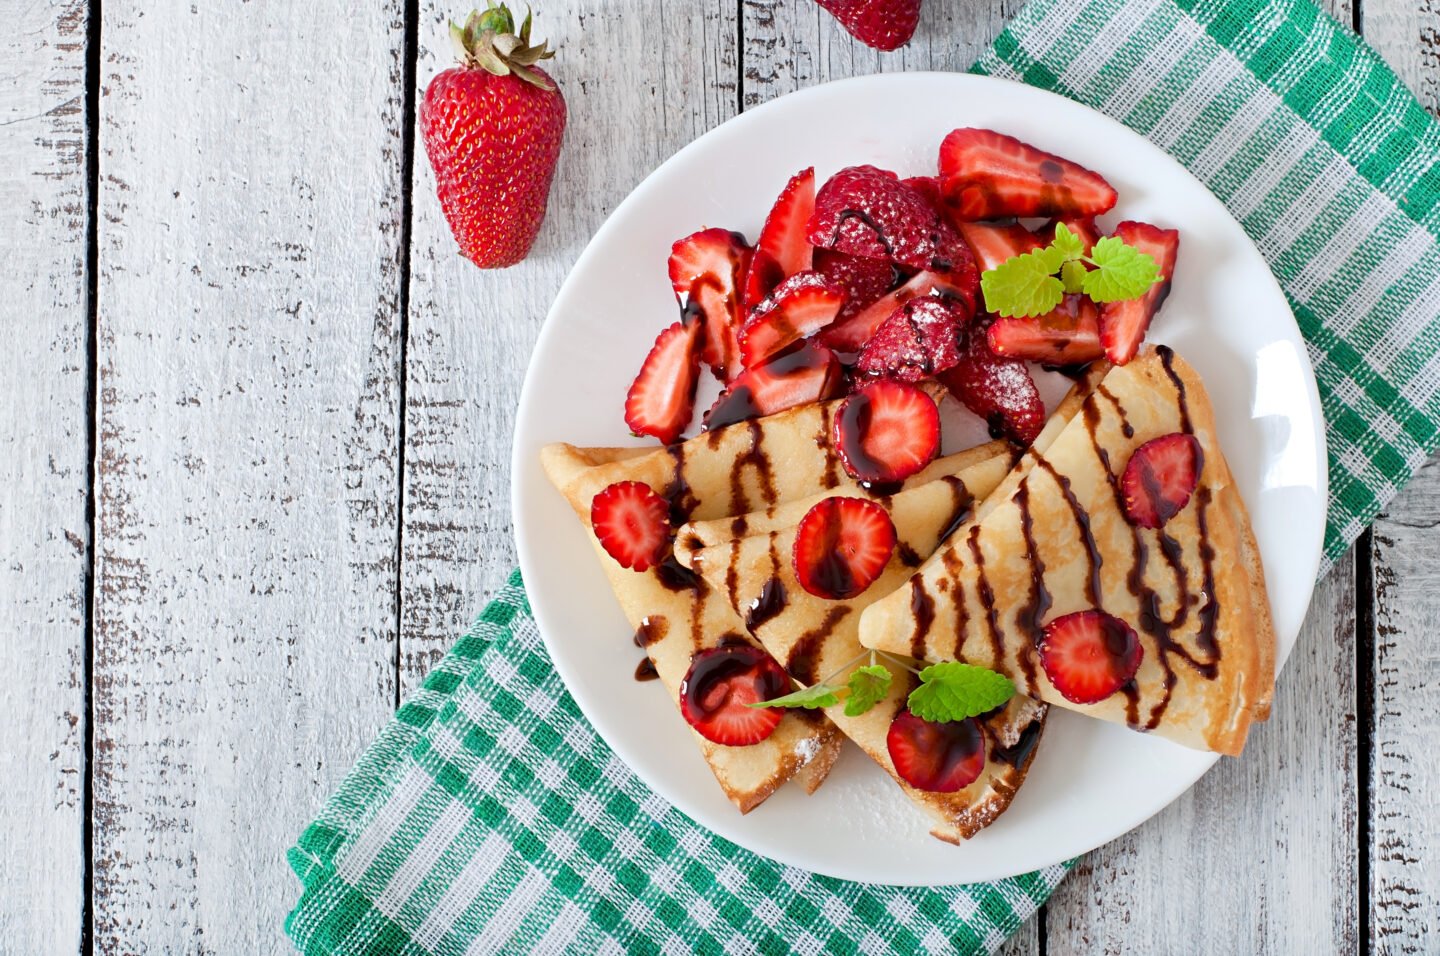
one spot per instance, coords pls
(44, 541)
(248, 357)
(641, 79)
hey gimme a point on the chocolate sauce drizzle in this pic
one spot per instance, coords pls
(801, 660)
(1035, 609)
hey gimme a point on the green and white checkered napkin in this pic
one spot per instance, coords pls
(489, 817)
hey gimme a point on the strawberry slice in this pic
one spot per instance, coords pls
(1123, 324)
(933, 756)
(851, 334)
(720, 683)
(988, 175)
(886, 432)
(841, 546)
(632, 523)
(919, 340)
(706, 270)
(782, 249)
(862, 280)
(999, 390)
(810, 373)
(928, 187)
(662, 396)
(1089, 655)
(1082, 226)
(1160, 478)
(993, 242)
(1068, 335)
(798, 307)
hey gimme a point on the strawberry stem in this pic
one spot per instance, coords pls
(488, 42)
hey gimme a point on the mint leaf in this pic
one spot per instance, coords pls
(1121, 272)
(868, 686)
(821, 695)
(1066, 245)
(1023, 285)
(1072, 277)
(954, 691)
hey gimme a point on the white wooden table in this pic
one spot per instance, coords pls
(253, 470)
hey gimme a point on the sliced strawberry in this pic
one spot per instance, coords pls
(988, 175)
(862, 280)
(933, 756)
(1089, 655)
(993, 242)
(782, 249)
(706, 270)
(632, 523)
(841, 546)
(1082, 226)
(928, 187)
(810, 373)
(720, 683)
(921, 339)
(662, 396)
(1068, 335)
(999, 390)
(851, 334)
(800, 306)
(886, 432)
(1160, 478)
(1123, 324)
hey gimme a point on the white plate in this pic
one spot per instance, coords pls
(1091, 781)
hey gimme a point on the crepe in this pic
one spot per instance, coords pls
(1054, 540)
(732, 470)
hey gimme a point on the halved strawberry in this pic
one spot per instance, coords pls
(1089, 655)
(810, 373)
(798, 307)
(706, 270)
(1160, 478)
(933, 756)
(782, 249)
(999, 390)
(921, 339)
(862, 280)
(1123, 324)
(1082, 226)
(720, 683)
(988, 175)
(851, 334)
(841, 546)
(886, 432)
(1068, 335)
(632, 523)
(928, 187)
(662, 396)
(993, 242)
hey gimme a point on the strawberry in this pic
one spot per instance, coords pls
(810, 373)
(1089, 655)
(1160, 478)
(919, 340)
(798, 307)
(1067, 335)
(886, 432)
(632, 523)
(862, 280)
(933, 756)
(988, 175)
(719, 685)
(999, 390)
(1082, 226)
(841, 546)
(783, 249)
(991, 243)
(882, 24)
(706, 270)
(662, 396)
(1123, 324)
(850, 334)
(492, 129)
(865, 211)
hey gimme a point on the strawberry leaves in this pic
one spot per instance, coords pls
(1027, 284)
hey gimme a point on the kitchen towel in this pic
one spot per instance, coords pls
(489, 817)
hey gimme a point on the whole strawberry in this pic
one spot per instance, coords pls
(492, 129)
(882, 24)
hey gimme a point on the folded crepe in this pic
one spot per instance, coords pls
(1054, 539)
(675, 613)
(813, 637)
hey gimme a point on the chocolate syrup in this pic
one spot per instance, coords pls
(756, 458)
(987, 596)
(764, 608)
(682, 500)
(651, 630)
(908, 555)
(1018, 755)
(676, 577)
(1082, 524)
(831, 476)
(922, 608)
(951, 560)
(960, 505)
(801, 660)
(1040, 600)
(645, 670)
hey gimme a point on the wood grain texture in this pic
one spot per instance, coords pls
(44, 540)
(250, 204)
(471, 330)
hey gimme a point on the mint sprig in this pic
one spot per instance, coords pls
(1028, 285)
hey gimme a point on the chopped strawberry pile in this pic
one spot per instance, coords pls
(988, 175)
(999, 390)
(782, 249)
(1089, 655)
(1160, 477)
(841, 546)
(706, 270)
(920, 340)
(719, 685)
(810, 373)
(798, 307)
